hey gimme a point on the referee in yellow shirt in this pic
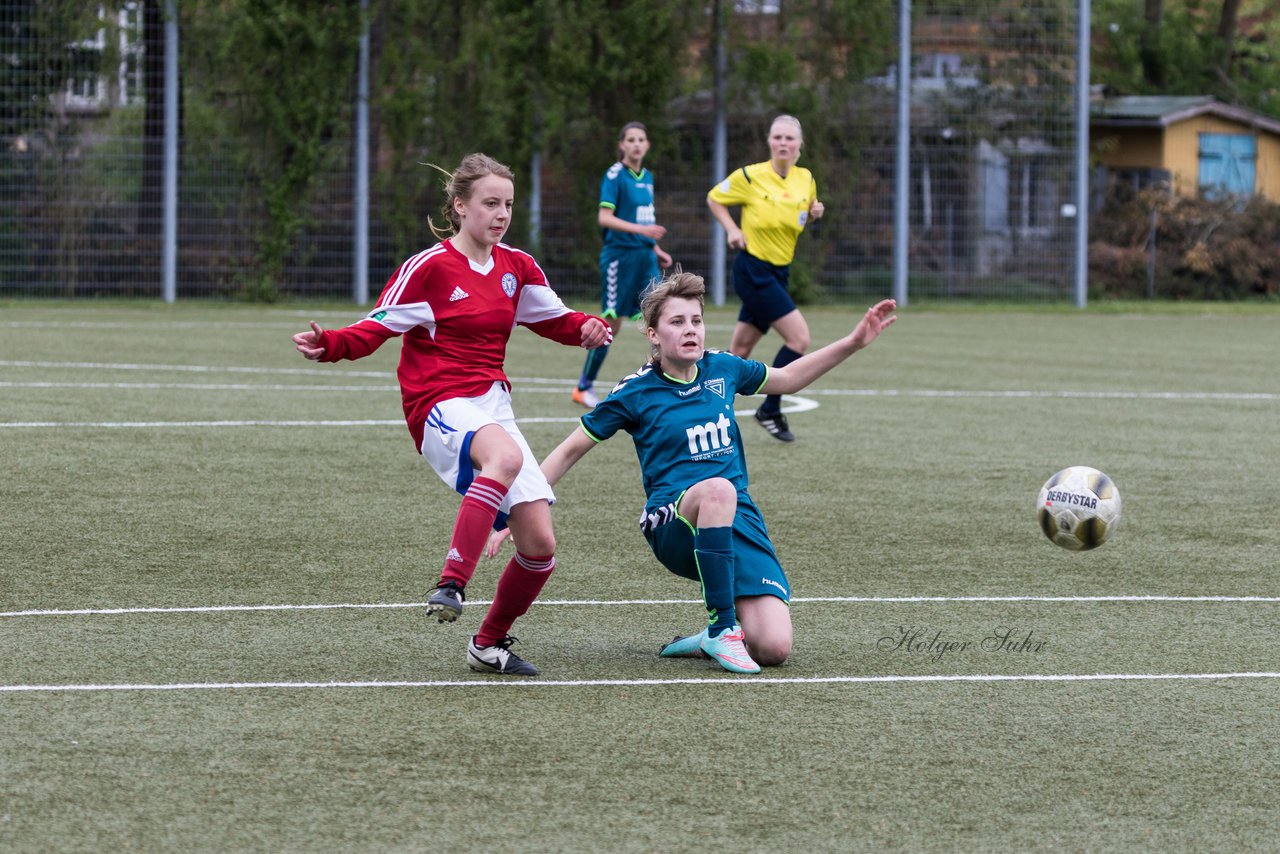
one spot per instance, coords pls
(778, 198)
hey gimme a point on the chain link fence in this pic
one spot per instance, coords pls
(992, 138)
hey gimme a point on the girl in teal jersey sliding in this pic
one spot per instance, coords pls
(698, 517)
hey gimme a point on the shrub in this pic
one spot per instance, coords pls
(1225, 248)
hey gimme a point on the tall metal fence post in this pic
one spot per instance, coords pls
(902, 176)
(1082, 153)
(169, 248)
(719, 151)
(360, 283)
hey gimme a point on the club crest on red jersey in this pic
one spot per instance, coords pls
(509, 284)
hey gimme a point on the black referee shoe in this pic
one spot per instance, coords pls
(776, 424)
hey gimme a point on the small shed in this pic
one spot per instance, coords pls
(1197, 144)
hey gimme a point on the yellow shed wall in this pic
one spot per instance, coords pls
(1177, 149)
(1269, 166)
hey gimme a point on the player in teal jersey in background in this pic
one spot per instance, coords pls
(631, 256)
(698, 517)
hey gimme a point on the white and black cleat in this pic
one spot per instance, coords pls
(498, 659)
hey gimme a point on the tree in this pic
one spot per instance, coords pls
(281, 73)
(509, 75)
(1190, 47)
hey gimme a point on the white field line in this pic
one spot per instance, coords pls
(1018, 395)
(855, 600)
(791, 404)
(561, 387)
(399, 422)
(125, 324)
(385, 389)
(287, 322)
(648, 683)
(194, 369)
(563, 383)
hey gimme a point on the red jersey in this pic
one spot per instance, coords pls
(456, 317)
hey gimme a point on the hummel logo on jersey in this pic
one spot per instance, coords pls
(453, 555)
(458, 293)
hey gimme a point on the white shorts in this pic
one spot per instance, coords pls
(446, 445)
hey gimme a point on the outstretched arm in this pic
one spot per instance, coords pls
(803, 371)
(568, 452)
(308, 343)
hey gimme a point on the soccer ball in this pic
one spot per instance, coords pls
(1078, 508)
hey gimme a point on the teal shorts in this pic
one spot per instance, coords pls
(624, 274)
(757, 571)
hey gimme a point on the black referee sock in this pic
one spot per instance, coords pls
(773, 403)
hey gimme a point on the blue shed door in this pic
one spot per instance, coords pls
(1227, 163)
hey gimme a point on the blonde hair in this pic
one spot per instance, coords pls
(793, 120)
(677, 285)
(459, 185)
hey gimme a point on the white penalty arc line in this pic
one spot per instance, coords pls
(856, 600)
(740, 681)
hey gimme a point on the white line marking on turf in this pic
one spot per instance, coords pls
(565, 383)
(200, 369)
(398, 422)
(332, 372)
(1096, 395)
(793, 404)
(212, 386)
(483, 682)
(864, 600)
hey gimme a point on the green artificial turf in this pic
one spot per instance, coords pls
(958, 682)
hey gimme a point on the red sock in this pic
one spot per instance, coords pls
(471, 530)
(519, 585)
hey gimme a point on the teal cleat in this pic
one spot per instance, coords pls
(729, 651)
(685, 647)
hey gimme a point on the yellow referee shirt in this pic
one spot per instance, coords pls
(774, 209)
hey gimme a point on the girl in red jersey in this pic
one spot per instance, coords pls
(455, 305)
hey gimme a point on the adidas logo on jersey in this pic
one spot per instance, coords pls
(458, 293)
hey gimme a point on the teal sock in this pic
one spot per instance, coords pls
(713, 553)
(591, 368)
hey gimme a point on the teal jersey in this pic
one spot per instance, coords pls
(630, 196)
(683, 432)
